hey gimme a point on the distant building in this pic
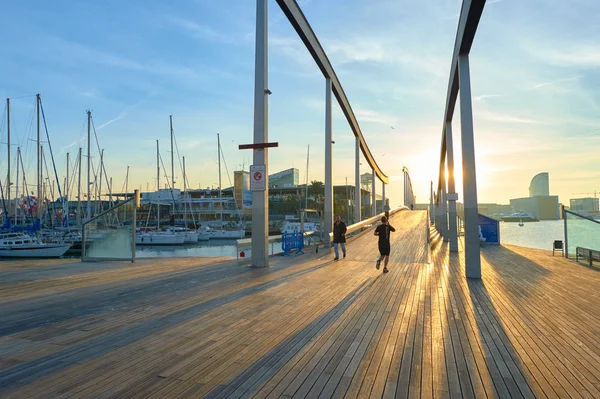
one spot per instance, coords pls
(540, 207)
(285, 178)
(540, 185)
(540, 204)
(585, 205)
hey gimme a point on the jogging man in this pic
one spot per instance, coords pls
(383, 231)
(339, 236)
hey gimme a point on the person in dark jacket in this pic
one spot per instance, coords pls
(339, 236)
(383, 231)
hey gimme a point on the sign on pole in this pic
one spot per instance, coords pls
(258, 178)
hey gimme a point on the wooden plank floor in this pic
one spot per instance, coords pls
(306, 327)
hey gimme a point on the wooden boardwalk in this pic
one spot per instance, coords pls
(307, 327)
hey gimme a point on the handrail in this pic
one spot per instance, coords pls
(582, 216)
(358, 226)
(120, 204)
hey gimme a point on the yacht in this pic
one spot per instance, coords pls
(225, 234)
(520, 217)
(19, 245)
(158, 238)
(294, 227)
(189, 236)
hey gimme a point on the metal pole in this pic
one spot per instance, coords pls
(451, 189)
(306, 190)
(220, 194)
(383, 208)
(564, 215)
(172, 154)
(39, 162)
(79, 190)
(133, 225)
(100, 185)
(66, 207)
(157, 186)
(444, 207)
(472, 254)
(8, 149)
(89, 157)
(328, 206)
(373, 202)
(184, 195)
(431, 202)
(357, 190)
(260, 199)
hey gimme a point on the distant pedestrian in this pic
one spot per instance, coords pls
(339, 236)
(383, 231)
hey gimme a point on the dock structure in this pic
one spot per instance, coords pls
(305, 327)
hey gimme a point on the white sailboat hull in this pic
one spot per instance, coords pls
(35, 251)
(190, 237)
(226, 234)
(159, 239)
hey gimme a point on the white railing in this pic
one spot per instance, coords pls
(367, 222)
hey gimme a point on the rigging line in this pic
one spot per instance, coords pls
(50, 147)
(168, 183)
(102, 164)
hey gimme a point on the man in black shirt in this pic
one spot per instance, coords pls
(339, 236)
(383, 231)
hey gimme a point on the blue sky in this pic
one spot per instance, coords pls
(535, 85)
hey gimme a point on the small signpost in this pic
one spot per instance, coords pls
(258, 172)
(257, 177)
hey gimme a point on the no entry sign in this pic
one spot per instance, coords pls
(258, 177)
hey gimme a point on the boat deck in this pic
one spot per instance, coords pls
(306, 327)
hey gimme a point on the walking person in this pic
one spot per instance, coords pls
(339, 236)
(383, 231)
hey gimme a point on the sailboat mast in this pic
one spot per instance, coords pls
(66, 207)
(8, 149)
(79, 189)
(220, 198)
(17, 183)
(100, 206)
(126, 191)
(89, 157)
(172, 154)
(39, 162)
(158, 183)
(184, 195)
(306, 191)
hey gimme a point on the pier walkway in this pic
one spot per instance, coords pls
(306, 327)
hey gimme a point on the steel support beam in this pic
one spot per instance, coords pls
(452, 228)
(260, 199)
(292, 11)
(357, 190)
(328, 206)
(373, 200)
(472, 255)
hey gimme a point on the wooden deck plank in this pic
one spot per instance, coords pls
(306, 327)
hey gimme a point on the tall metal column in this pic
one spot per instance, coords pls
(383, 197)
(444, 208)
(260, 199)
(373, 203)
(452, 230)
(431, 213)
(472, 255)
(357, 190)
(8, 183)
(328, 206)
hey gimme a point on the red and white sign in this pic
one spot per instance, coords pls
(258, 177)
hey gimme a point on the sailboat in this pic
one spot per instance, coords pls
(189, 236)
(223, 234)
(158, 237)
